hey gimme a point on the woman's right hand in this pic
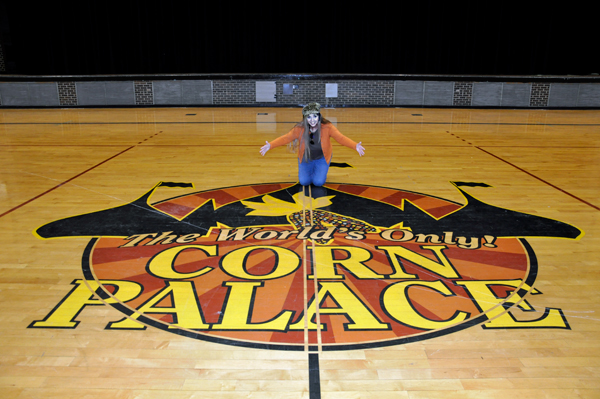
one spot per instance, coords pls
(265, 148)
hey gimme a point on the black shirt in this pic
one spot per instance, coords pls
(314, 150)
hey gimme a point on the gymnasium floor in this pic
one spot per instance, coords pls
(399, 316)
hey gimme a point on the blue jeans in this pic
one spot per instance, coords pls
(314, 172)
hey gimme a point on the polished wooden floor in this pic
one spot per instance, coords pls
(59, 163)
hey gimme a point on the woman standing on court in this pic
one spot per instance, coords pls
(312, 137)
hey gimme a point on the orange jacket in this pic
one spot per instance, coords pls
(328, 130)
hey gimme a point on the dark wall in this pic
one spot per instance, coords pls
(151, 37)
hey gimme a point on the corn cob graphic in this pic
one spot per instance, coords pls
(321, 219)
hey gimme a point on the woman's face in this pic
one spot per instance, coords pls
(312, 120)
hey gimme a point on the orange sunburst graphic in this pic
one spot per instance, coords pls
(245, 285)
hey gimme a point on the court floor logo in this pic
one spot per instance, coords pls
(250, 266)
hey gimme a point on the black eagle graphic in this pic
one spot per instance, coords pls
(474, 219)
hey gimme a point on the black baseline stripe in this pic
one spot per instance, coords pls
(314, 377)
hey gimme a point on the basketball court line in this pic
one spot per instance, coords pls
(63, 183)
(528, 173)
(540, 179)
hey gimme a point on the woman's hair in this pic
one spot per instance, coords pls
(293, 146)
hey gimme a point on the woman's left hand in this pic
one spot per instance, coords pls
(360, 149)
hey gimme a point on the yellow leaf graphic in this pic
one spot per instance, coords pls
(275, 207)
